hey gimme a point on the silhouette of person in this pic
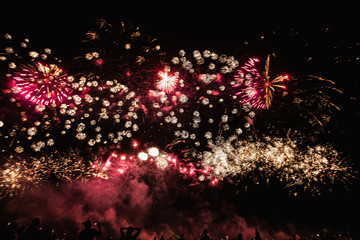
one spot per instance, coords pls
(33, 231)
(239, 237)
(129, 235)
(257, 235)
(89, 233)
(205, 236)
(10, 231)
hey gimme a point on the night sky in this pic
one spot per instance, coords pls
(303, 40)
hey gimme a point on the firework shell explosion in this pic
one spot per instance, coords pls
(123, 103)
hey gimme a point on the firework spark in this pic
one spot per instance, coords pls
(18, 176)
(313, 169)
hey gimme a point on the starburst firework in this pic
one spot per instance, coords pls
(41, 84)
(167, 83)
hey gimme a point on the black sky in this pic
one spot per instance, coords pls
(184, 24)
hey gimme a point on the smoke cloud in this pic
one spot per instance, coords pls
(157, 201)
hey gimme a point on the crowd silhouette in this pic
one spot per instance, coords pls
(36, 231)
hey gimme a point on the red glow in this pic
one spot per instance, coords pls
(99, 62)
(135, 144)
(214, 181)
(167, 108)
(250, 120)
(218, 77)
(173, 160)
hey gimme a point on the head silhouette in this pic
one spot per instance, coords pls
(129, 231)
(87, 224)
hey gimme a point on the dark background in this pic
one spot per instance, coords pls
(321, 40)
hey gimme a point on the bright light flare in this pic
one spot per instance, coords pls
(135, 144)
(153, 152)
(143, 156)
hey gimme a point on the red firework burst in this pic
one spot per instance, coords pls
(41, 84)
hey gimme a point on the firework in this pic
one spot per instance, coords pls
(86, 109)
(313, 96)
(247, 84)
(255, 88)
(105, 114)
(18, 176)
(116, 104)
(41, 84)
(306, 108)
(121, 51)
(271, 85)
(204, 91)
(166, 83)
(312, 169)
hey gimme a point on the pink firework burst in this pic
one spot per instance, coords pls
(248, 84)
(255, 88)
(167, 83)
(41, 84)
